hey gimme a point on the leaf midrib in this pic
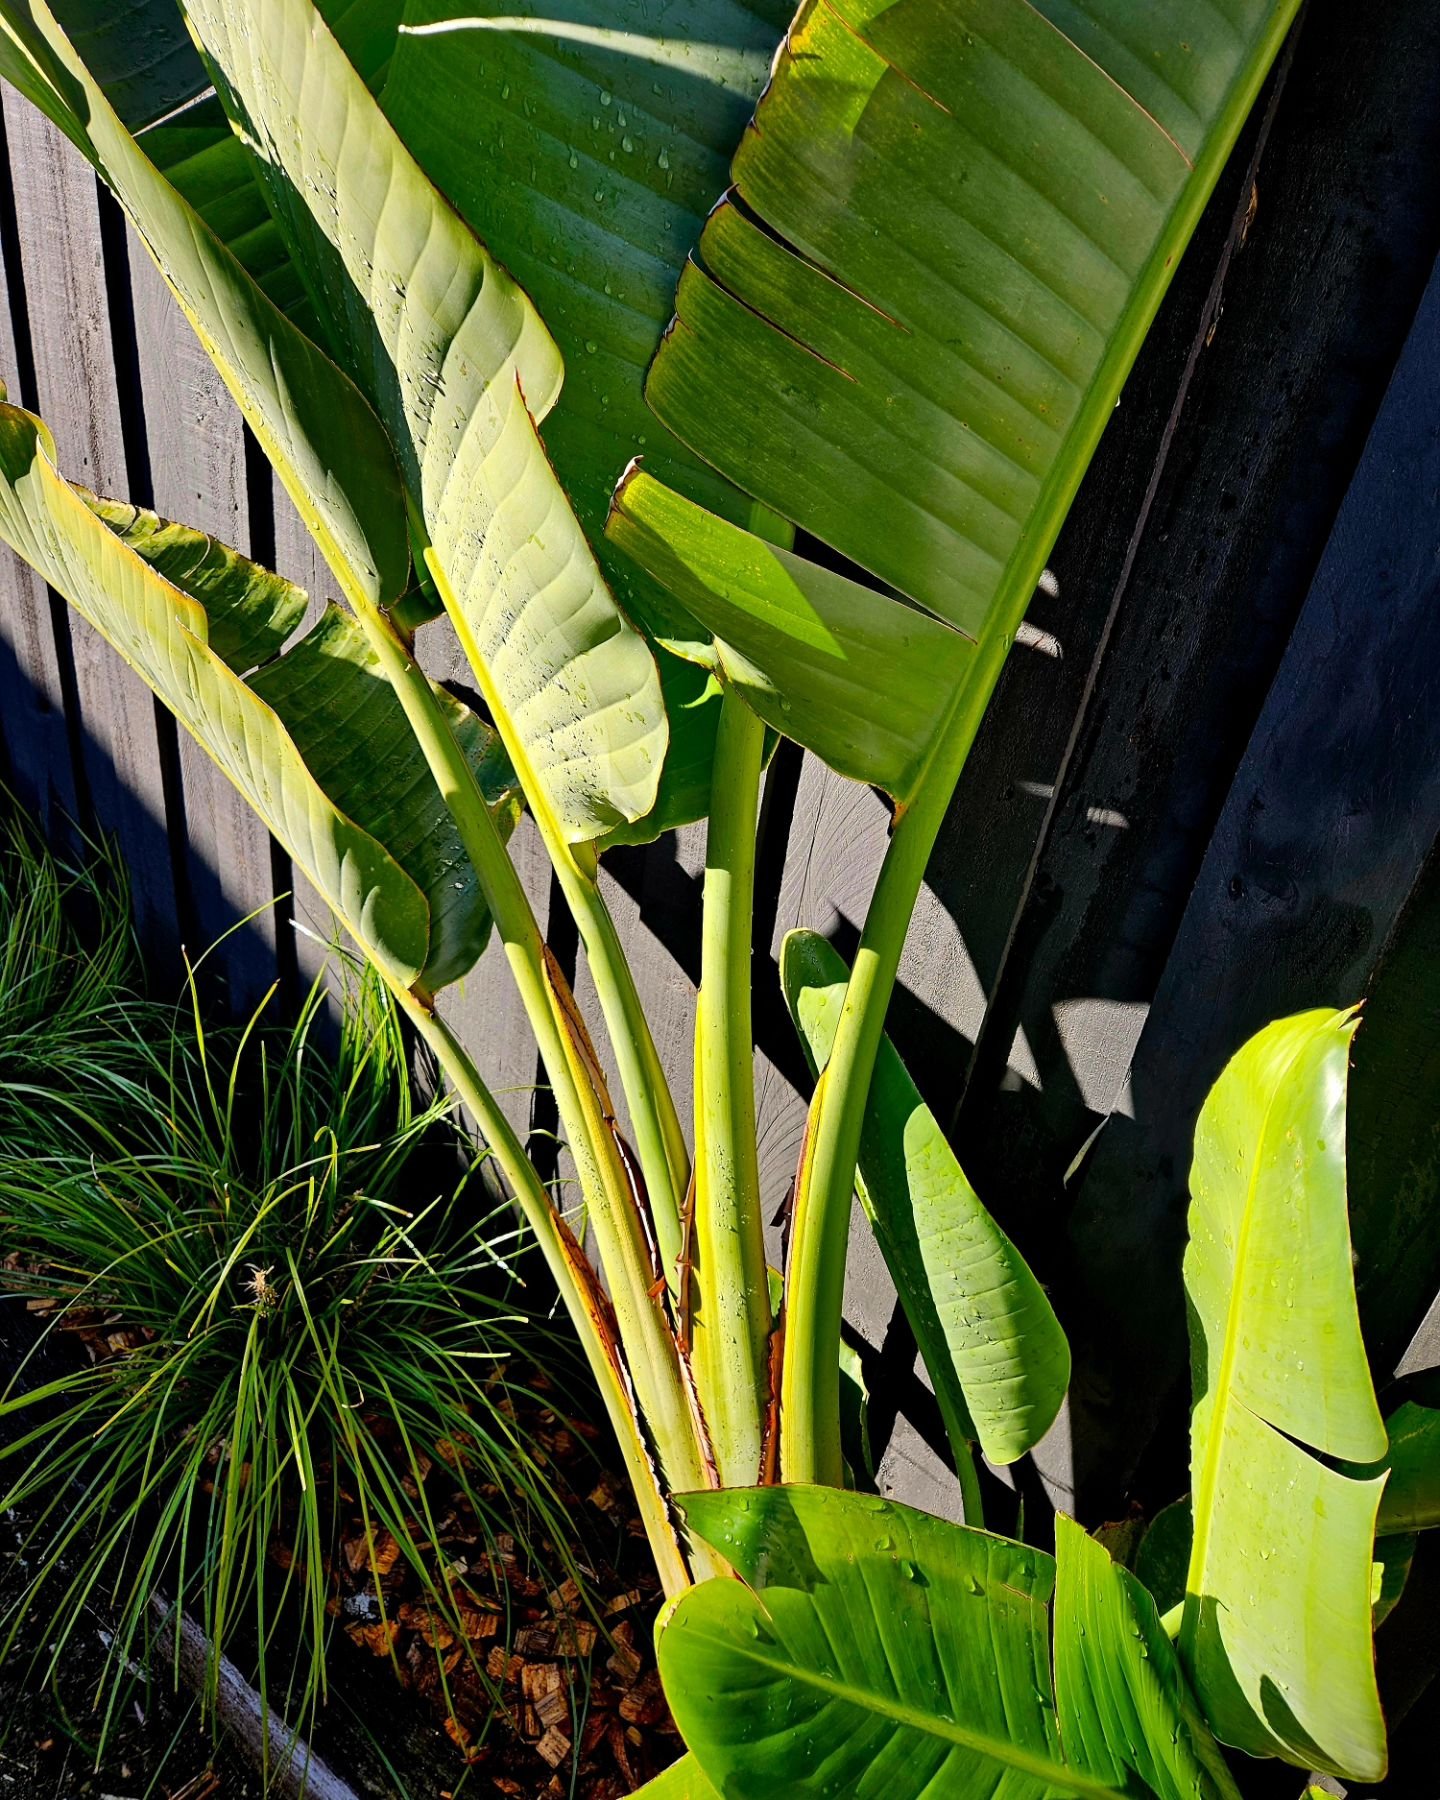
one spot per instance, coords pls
(1006, 1754)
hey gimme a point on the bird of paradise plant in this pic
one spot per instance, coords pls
(873, 274)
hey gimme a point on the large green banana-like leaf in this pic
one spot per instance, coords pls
(455, 360)
(301, 738)
(815, 639)
(1411, 1501)
(882, 1654)
(1277, 1628)
(905, 329)
(327, 445)
(585, 145)
(348, 724)
(996, 1354)
(683, 1780)
(1125, 1708)
(200, 154)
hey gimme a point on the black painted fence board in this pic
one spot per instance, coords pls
(1327, 827)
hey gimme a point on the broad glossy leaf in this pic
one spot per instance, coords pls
(949, 230)
(302, 735)
(887, 1655)
(349, 726)
(250, 611)
(683, 1780)
(880, 1652)
(162, 633)
(1277, 1626)
(455, 360)
(1411, 1501)
(1126, 1712)
(995, 1351)
(327, 445)
(814, 640)
(585, 145)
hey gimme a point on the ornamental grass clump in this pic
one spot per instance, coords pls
(76, 1039)
(293, 1310)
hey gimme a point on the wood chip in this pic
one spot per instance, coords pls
(358, 1557)
(625, 1662)
(566, 1597)
(554, 1747)
(575, 1637)
(645, 1703)
(379, 1640)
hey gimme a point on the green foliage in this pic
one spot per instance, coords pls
(1277, 1625)
(76, 1039)
(905, 323)
(878, 1652)
(991, 1342)
(875, 1651)
(297, 1298)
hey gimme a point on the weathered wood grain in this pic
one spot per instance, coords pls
(196, 474)
(68, 296)
(35, 668)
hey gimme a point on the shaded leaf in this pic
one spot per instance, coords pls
(1411, 1501)
(1393, 1558)
(349, 726)
(848, 673)
(250, 611)
(1163, 1560)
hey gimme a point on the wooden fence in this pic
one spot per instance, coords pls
(1207, 793)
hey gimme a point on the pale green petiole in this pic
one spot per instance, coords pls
(732, 1313)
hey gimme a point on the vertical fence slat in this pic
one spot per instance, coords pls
(1328, 822)
(304, 923)
(34, 655)
(58, 213)
(196, 445)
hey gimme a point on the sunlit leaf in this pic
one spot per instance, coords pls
(1277, 1624)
